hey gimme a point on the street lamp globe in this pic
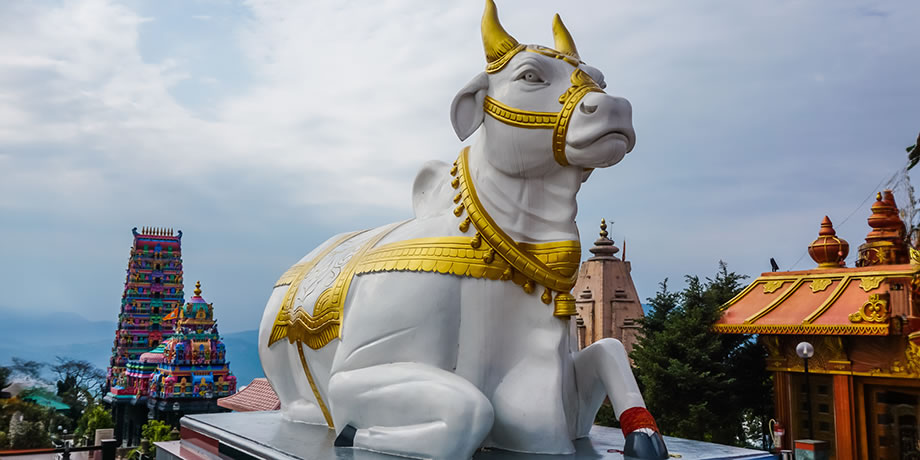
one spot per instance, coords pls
(805, 350)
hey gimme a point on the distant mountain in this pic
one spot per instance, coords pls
(55, 328)
(243, 354)
(42, 337)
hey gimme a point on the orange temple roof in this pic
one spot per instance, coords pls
(838, 301)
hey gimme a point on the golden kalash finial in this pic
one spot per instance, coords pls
(499, 45)
(563, 39)
(604, 228)
(198, 288)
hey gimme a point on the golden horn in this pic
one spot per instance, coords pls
(564, 42)
(495, 39)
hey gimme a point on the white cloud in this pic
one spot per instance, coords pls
(750, 118)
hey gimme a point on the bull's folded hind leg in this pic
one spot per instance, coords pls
(410, 409)
(601, 370)
(284, 369)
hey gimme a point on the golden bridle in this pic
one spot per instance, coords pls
(500, 47)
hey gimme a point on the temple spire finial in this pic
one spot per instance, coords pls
(198, 288)
(604, 247)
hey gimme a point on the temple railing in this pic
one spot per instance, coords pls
(108, 449)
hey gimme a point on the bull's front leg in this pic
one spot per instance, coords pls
(601, 370)
(392, 387)
(410, 409)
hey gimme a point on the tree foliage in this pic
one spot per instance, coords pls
(29, 435)
(699, 384)
(157, 431)
(96, 417)
(77, 383)
(5, 376)
(27, 368)
(78, 374)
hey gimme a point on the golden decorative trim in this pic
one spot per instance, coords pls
(835, 294)
(293, 277)
(319, 399)
(456, 255)
(323, 326)
(814, 276)
(503, 245)
(804, 329)
(771, 286)
(912, 356)
(549, 52)
(873, 373)
(875, 310)
(518, 117)
(820, 284)
(499, 64)
(778, 300)
(914, 256)
(869, 283)
(582, 84)
(740, 295)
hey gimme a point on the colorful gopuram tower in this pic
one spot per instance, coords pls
(194, 371)
(153, 290)
(185, 374)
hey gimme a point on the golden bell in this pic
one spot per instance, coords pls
(564, 305)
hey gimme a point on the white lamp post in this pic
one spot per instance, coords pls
(805, 350)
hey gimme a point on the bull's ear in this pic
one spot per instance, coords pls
(466, 112)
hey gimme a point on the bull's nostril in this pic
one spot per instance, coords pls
(587, 109)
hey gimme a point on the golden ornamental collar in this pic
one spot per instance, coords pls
(521, 261)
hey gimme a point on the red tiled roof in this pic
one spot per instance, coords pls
(257, 396)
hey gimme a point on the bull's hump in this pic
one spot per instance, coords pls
(430, 191)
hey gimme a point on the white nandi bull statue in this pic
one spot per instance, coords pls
(433, 337)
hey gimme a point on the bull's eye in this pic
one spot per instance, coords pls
(530, 76)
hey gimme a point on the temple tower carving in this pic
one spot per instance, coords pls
(605, 296)
(153, 290)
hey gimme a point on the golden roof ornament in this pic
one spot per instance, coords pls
(828, 250)
(198, 288)
(886, 242)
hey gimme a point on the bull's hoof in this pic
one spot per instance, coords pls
(640, 446)
(347, 437)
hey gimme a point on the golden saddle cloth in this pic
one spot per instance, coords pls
(489, 254)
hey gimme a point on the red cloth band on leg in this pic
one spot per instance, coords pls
(637, 417)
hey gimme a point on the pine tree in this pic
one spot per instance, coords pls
(699, 384)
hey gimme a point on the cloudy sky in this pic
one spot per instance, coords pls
(260, 128)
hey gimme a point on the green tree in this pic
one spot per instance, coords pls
(29, 435)
(157, 431)
(79, 383)
(27, 368)
(152, 431)
(4, 377)
(78, 374)
(699, 384)
(96, 417)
